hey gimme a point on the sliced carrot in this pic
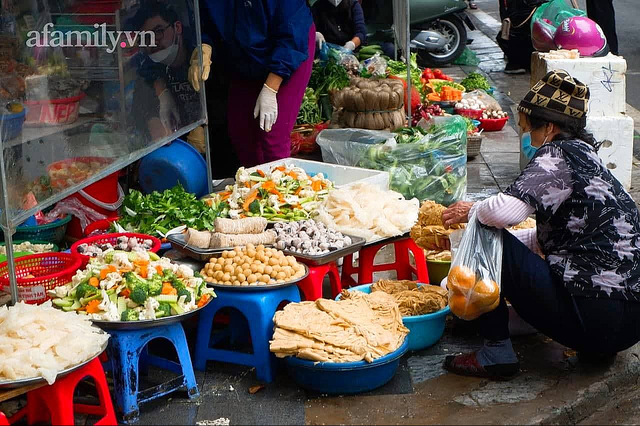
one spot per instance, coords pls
(250, 199)
(125, 293)
(203, 300)
(269, 185)
(92, 307)
(316, 185)
(247, 184)
(144, 271)
(261, 173)
(281, 168)
(94, 282)
(84, 308)
(124, 270)
(167, 288)
(141, 262)
(107, 270)
(225, 195)
(298, 191)
(293, 174)
(159, 270)
(279, 194)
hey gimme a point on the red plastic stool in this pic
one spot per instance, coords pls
(402, 264)
(311, 287)
(54, 403)
(3, 420)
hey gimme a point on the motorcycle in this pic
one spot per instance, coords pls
(438, 28)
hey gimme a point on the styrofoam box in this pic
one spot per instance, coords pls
(604, 76)
(616, 134)
(339, 175)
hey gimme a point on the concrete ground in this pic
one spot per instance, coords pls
(553, 388)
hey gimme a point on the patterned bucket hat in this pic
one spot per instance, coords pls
(558, 98)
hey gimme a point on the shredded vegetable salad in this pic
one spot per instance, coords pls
(132, 286)
(283, 194)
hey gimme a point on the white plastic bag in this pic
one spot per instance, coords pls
(474, 279)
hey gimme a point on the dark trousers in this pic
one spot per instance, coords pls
(224, 160)
(603, 13)
(602, 326)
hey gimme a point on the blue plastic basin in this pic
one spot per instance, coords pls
(11, 124)
(348, 377)
(177, 162)
(424, 330)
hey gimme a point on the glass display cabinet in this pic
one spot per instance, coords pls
(88, 87)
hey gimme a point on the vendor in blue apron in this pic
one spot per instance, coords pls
(339, 22)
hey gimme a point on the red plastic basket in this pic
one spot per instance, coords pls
(49, 270)
(492, 124)
(111, 238)
(475, 114)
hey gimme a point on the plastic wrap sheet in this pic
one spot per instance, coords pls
(434, 167)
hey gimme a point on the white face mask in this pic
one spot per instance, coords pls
(335, 2)
(168, 55)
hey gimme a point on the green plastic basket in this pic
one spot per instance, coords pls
(50, 233)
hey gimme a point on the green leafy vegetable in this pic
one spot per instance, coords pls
(475, 81)
(159, 212)
(309, 110)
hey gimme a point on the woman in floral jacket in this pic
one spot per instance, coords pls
(585, 293)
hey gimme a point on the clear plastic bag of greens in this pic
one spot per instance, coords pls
(428, 164)
(474, 279)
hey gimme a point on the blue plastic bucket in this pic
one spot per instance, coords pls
(424, 330)
(345, 377)
(173, 163)
(11, 124)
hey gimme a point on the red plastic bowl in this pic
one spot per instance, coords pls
(474, 114)
(492, 124)
(45, 271)
(53, 112)
(111, 238)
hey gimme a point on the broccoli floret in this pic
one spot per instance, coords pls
(133, 282)
(129, 315)
(254, 207)
(164, 310)
(155, 285)
(85, 290)
(184, 292)
(139, 295)
(169, 276)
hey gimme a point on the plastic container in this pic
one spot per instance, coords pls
(492, 124)
(87, 11)
(16, 242)
(50, 270)
(348, 377)
(51, 233)
(474, 114)
(100, 225)
(53, 112)
(173, 163)
(424, 330)
(438, 269)
(11, 124)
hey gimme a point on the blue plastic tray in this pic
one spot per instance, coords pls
(345, 378)
(424, 330)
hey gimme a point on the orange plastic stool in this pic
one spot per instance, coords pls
(402, 264)
(54, 404)
(311, 287)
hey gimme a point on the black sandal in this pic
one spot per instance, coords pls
(472, 5)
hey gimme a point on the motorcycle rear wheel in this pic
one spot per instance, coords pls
(453, 28)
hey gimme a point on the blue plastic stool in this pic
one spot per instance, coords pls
(127, 347)
(258, 307)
